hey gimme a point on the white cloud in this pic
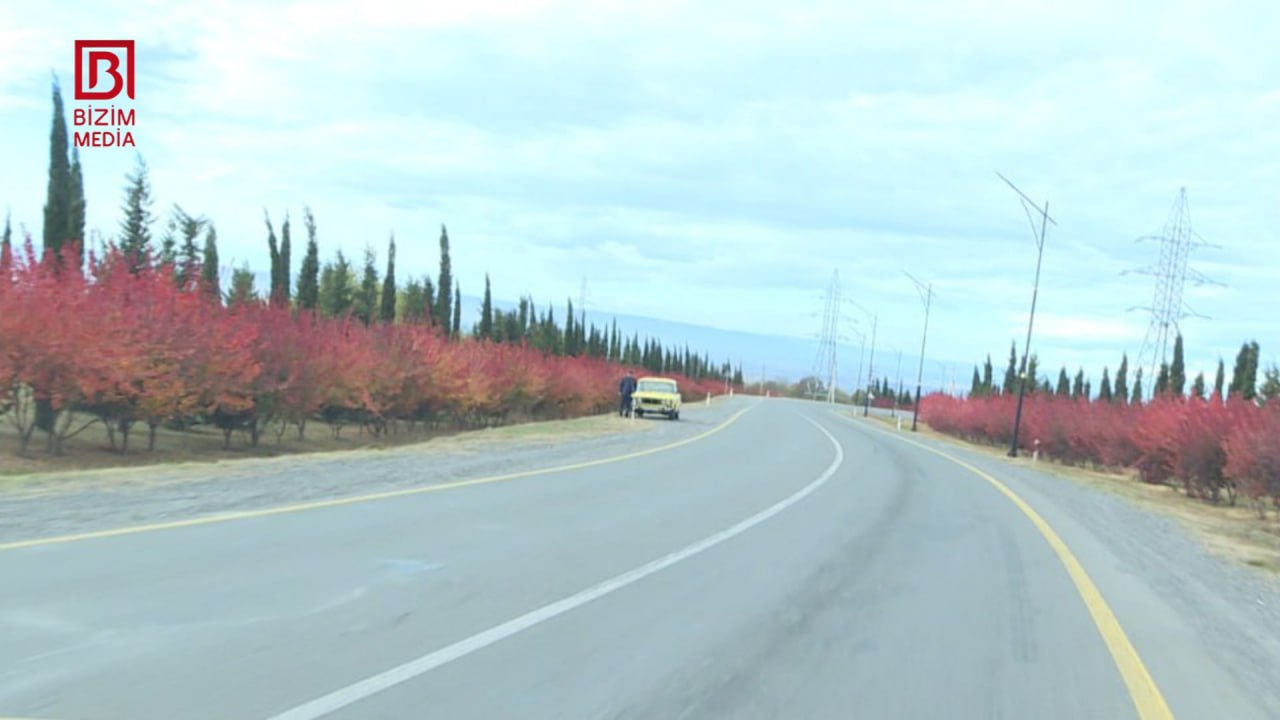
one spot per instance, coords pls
(741, 150)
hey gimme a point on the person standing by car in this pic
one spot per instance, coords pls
(625, 389)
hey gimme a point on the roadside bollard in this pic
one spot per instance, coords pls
(899, 423)
(708, 399)
(1035, 454)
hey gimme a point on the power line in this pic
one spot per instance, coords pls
(1171, 273)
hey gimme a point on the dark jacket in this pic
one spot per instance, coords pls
(627, 386)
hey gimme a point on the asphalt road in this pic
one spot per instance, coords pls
(789, 564)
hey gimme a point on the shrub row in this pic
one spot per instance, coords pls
(126, 347)
(1213, 450)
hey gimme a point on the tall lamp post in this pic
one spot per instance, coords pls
(1027, 206)
(926, 297)
(897, 393)
(871, 363)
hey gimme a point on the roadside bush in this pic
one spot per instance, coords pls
(123, 345)
(1211, 450)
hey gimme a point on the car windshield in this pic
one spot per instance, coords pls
(444, 359)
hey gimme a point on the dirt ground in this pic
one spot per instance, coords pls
(90, 449)
(1235, 533)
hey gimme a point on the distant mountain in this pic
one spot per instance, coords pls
(780, 357)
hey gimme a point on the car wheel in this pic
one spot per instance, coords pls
(639, 413)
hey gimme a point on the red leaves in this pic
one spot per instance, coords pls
(1211, 448)
(1252, 451)
(129, 345)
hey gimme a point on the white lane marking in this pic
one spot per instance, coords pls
(358, 691)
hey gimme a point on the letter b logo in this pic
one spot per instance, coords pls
(103, 69)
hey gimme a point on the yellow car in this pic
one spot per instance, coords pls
(656, 395)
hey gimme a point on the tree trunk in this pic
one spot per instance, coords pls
(46, 416)
(111, 433)
(226, 438)
(151, 435)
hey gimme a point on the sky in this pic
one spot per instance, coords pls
(713, 162)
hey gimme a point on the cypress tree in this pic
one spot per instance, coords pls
(429, 298)
(242, 291)
(1218, 381)
(76, 211)
(1197, 387)
(511, 328)
(188, 259)
(986, 376)
(1064, 383)
(1077, 387)
(135, 230)
(1088, 390)
(1011, 372)
(486, 312)
(58, 202)
(1104, 392)
(1271, 384)
(336, 292)
(168, 253)
(309, 273)
(415, 303)
(286, 264)
(975, 387)
(273, 247)
(209, 263)
(366, 303)
(387, 306)
(1178, 370)
(457, 310)
(1244, 379)
(570, 332)
(6, 239)
(1033, 373)
(442, 310)
(1136, 398)
(1162, 380)
(1121, 394)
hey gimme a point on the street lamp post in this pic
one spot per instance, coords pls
(897, 393)
(871, 362)
(871, 365)
(926, 296)
(1027, 206)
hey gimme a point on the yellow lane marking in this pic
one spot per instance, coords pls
(335, 502)
(1146, 697)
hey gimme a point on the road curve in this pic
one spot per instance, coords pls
(795, 564)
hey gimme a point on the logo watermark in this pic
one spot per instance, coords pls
(104, 71)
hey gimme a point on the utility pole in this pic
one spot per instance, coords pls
(833, 366)
(899, 393)
(1027, 206)
(862, 357)
(871, 362)
(926, 297)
